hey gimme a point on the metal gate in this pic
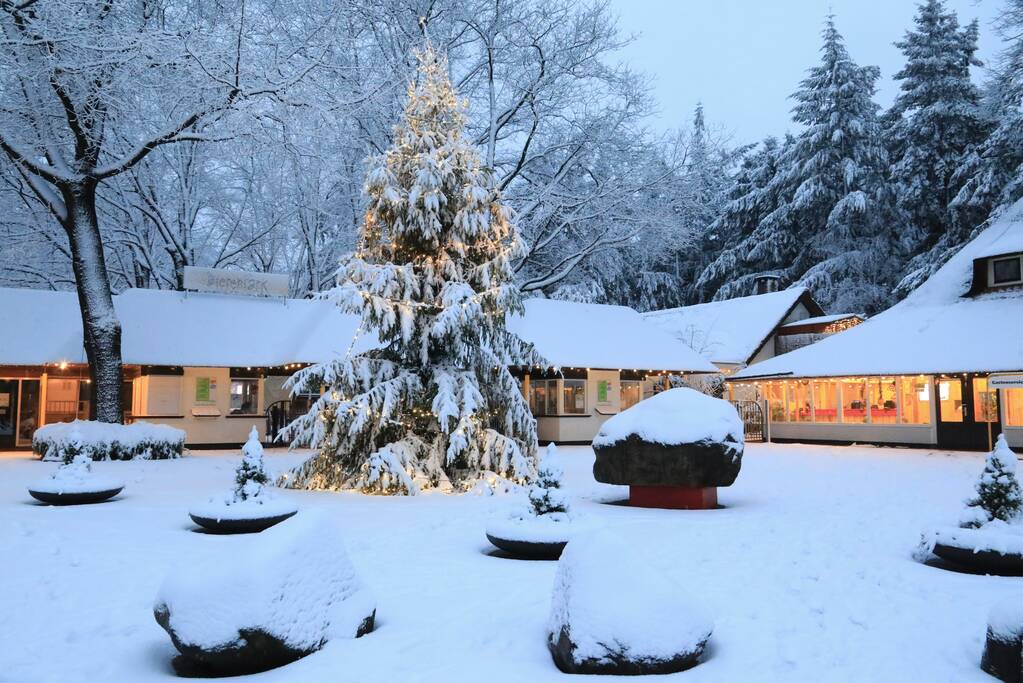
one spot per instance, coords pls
(752, 414)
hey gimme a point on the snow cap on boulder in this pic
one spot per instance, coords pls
(612, 612)
(260, 601)
(676, 416)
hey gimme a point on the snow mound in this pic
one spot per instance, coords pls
(674, 417)
(610, 607)
(995, 536)
(555, 527)
(293, 582)
(76, 477)
(105, 441)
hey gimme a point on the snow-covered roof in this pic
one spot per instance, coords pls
(934, 329)
(161, 327)
(729, 331)
(570, 334)
(820, 320)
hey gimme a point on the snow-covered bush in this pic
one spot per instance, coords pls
(105, 441)
(613, 613)
(998, 492)
(546, 495)
(251, 498)
(265, 600)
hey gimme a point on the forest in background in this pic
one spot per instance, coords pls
(290, 98)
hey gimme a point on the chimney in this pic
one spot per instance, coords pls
(765, 284)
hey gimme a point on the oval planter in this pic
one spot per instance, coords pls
(76, 497)
(530, 550)
(984, 561)
(250, 525)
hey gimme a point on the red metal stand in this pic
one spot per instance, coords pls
(673, 497)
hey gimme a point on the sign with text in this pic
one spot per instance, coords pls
(1005, 381)
(235, 282)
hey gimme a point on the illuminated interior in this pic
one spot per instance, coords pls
(1013, 407)
(853, 400)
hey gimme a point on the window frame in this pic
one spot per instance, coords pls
(562, 387)
(995, 282)
(230, 396)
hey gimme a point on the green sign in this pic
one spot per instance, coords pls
(603, 388)
(202, 389)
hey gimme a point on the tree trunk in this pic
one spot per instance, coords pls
(100, 326)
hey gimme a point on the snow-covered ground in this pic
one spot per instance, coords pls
(807, 573)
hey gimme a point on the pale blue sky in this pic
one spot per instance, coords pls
(743, 58)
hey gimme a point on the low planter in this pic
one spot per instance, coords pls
(531, 537)
(243, 517)
(1003, 646)
(981, 561)
(73, 497)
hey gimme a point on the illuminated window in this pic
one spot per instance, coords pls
(775, 395)
(631, 392)
(799, 401)
(854, 400)
(244, 396)
(1013, 407)
(543, 397)
(915, 395)
(825, 401)
(573, 396)
(950, 400)
(985, 402)
(882, 400)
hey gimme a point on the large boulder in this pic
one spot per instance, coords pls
(677, 438)
(612, 613)
(262, 601)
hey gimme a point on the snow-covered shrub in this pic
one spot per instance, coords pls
(265, 600)
(546, 495)
(251, 498)
(105, 441)
(998, 492)
(613, 613)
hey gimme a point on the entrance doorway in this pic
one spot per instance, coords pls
(968, 413)
(19, 411)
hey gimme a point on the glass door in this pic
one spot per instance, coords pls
(8, 412)
(967, 413)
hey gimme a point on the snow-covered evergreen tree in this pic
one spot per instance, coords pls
(435, 405)
(998, 492)
(934, 124)
(250, 477)
(546, 495)
(821, 216)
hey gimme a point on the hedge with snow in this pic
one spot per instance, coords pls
(105, 441)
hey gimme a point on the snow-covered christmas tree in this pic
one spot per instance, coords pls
(998, 492)
(250, 477)
(545, 495)
(435, 405)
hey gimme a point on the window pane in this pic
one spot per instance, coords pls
(244, 396)
(882, 400)
(775, 395)
(825, 401)
(799, 401)
(950, 400)
(985, 403)
(916, 400)
(854, 401)
(1006, 270)
(574, 396)
(552, 397)
(1013, 407)
(630, 393)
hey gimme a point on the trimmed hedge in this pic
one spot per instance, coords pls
(104, 441)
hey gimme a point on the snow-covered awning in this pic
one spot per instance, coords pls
(935, 329)
(731, 331)
(161, 327)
